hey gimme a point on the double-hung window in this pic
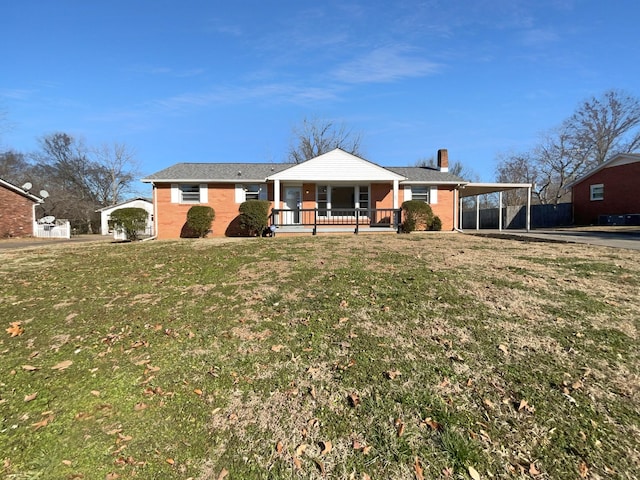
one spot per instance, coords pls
(420, 192)
(597, 191)
(189, 193)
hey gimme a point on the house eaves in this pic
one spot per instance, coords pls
(615, 161)
(20, 191)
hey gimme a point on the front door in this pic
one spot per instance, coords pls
(292, 203)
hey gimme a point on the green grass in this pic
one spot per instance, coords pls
(194, 357)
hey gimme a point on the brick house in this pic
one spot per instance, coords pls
(17, 211)
(335, 191)
(612, 189)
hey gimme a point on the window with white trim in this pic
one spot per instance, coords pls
(420, 192)
(189, 193)
(597, 191)
(250, 191)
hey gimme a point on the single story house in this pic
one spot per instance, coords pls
(144, 203)
(17, 211)
(609, 193)
(334, 191)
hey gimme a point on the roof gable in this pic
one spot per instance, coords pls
(615, 161)
(336, 166)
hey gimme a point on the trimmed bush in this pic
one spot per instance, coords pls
(417, 216)
(436, 226)
(254, 216)
(199, 220)
(131, 220)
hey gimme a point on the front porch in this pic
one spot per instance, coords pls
(327, 220)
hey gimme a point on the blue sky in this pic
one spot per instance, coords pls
(206, 81)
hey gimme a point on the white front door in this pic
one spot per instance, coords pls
(292, 203)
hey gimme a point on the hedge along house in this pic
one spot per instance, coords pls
(608, 194)
(336, 191)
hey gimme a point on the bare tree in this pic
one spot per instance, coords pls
(517, 168)
(115, 170)
(598, 129)
(316, 137)
(14, 167)
(456, 168)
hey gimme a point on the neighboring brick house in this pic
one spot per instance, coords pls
(610, 190)
(334, 191)
(17, 211)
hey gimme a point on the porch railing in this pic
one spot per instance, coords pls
(358, 218)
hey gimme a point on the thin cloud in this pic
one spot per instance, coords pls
(385, 65)
(538, 37)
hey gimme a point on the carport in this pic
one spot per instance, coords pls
(476, 189)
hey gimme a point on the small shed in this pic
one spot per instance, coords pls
(608, 194)
(144, 203)
(17, 210)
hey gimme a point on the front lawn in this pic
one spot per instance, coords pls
(381, 356)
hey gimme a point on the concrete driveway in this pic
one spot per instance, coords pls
(616, 237)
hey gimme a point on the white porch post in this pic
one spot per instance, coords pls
(500, 210)
(395, 194)
(461, 226)
(477, 212)
(276, 194)
(528, 208)
(455, 207)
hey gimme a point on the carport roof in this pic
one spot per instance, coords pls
(473, 189)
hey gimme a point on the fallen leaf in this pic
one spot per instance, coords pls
(140, 406)
(418, 469)
(66, 462)
(344, 303)
(392, 374)
(15, 329)
(320, 466)
(473, 473)
(30, 368)
(223, 473)
(583, 470)
(279, 447)
(171, 461)
(399, 424)
(44, 422)
(297, 463)
(325, 447)
(312, 392)
(277, 348)
(533, 471)
(503, 349)
(366, 449)
(197, 391)
(489, 403)
(62, 365)
(354, 400)
(447, 472)
(112, 476)
(301, 449)
(95, 393)
(365, 476)
(431, 423)
(28, 398)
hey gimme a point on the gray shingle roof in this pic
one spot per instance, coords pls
(258, 172)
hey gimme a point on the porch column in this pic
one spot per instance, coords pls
(455, 207)
(395, 194)
(500, 210)
(528, 208)
(477, 212)
(276, 194)
(461, 220)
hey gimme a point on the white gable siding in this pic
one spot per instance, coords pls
(337, 166)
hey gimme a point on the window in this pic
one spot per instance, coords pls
(420, 192)
(597, 191)
(363, 198)
(189, 193)
(321, 199)
(252, 191)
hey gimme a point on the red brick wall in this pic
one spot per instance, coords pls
(442, 209)
(16, 214)
(621, 187)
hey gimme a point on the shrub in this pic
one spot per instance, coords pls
(436, 225)
(131, 220)
(417, 215)
(254, 216)
(199, 220)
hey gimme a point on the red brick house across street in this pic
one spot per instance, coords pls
(17, 211)
(336, 191)
(610, 193)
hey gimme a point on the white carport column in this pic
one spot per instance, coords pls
(528, 208)
(477, 197)
(500, 210)
(395, 194)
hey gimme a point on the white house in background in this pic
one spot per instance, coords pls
(105, 214)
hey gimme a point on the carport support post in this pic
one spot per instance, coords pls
(500, 210)
(477, 212)
(528, 208)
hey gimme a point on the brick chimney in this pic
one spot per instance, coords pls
(443, 160)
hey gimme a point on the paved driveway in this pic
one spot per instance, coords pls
(616, 237)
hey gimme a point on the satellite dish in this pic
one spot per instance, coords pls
(48, 219)
(27, 186)
(44, 194)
